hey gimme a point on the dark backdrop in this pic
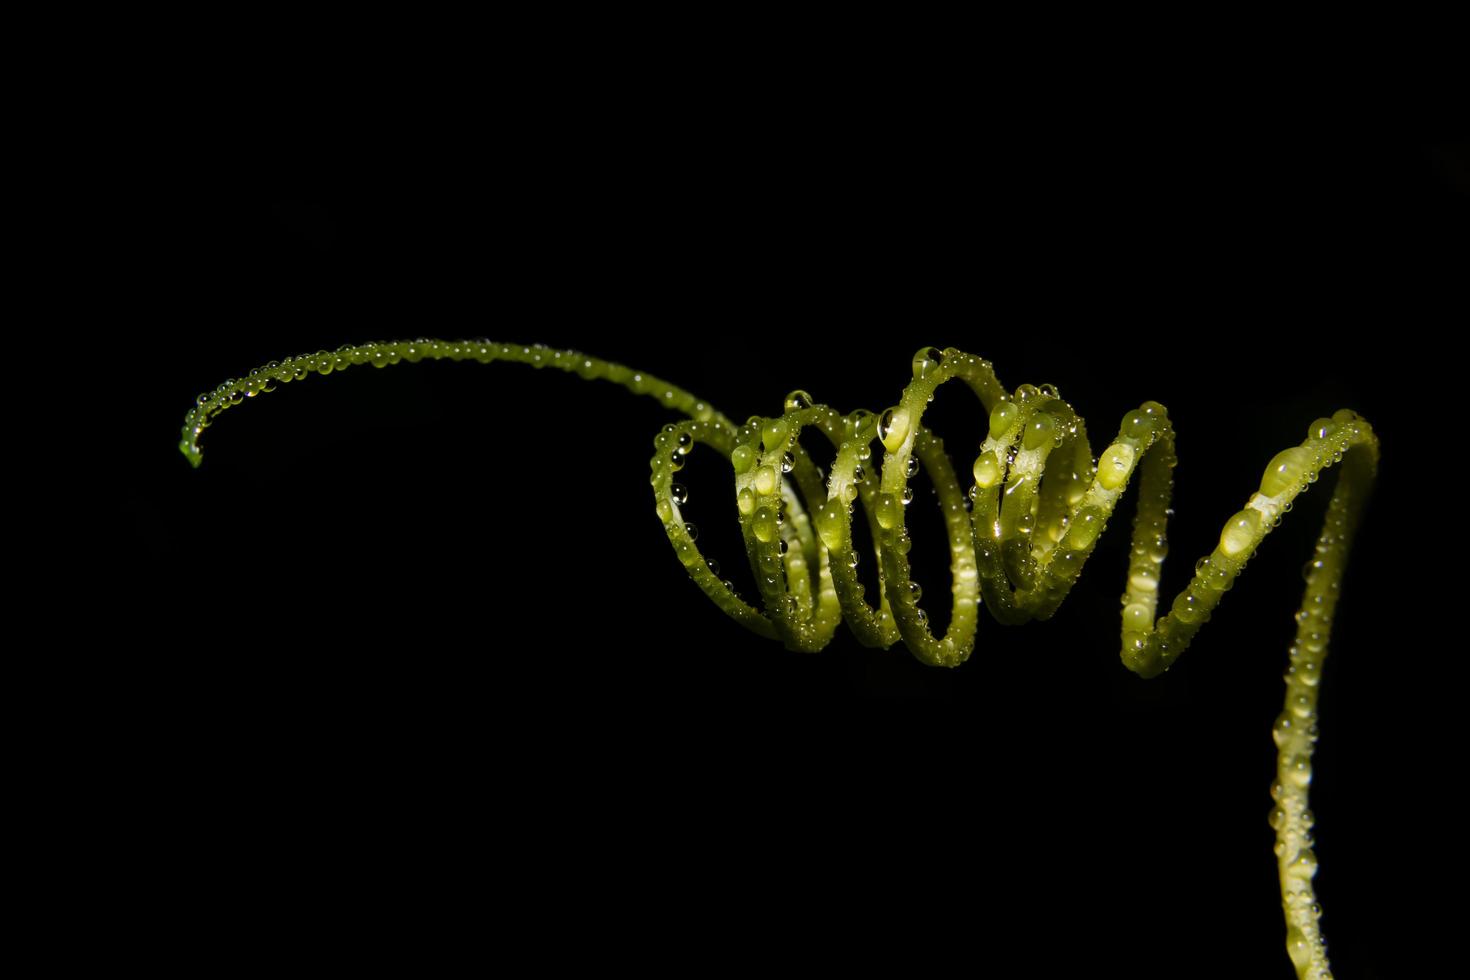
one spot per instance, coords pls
(425, 616)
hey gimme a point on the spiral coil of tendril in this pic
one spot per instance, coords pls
(1019, 534)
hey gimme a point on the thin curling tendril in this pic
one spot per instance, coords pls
(1038, 499)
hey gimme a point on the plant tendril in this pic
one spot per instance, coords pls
(1019, 533)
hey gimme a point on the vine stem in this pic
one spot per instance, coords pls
(1019, 537)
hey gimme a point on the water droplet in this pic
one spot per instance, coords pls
(1139, 426)
(714, 567)
(987, 470)
(913, 467)
(893, 428)
(1085, 529)
(1304, 865)
(1298, 948)
(829, 525)
(1039, 431)
(677, 491)
(1158, 549)
(1285, 470)
(797, 400)
(1188, 608)
(1240, 533)
(1114, 465)
(765, 480)
(1002, 417)
(926, 359)
(692, 531)
(742, 458)
(774, 434)
(765, 524)
(788, 463)
(908, 496)
(888, 511)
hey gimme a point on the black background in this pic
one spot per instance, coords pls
(421, 625)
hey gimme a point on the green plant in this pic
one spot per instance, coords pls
(1019, 538)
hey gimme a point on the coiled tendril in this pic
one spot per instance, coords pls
(1037, 502)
